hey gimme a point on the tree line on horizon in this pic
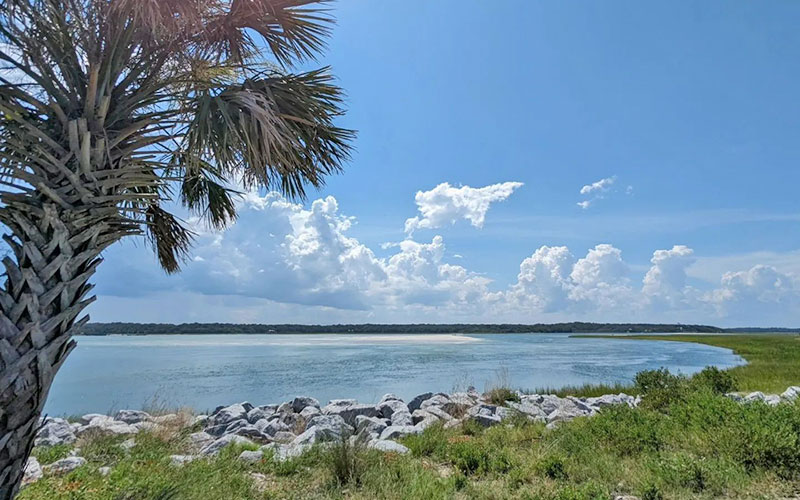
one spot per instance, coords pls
(119, 328)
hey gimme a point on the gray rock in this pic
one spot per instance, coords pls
(251, 456)
(388, 446)
(754, 396)
(228, 439)
(229, 414)
(486, 420)
(301, 402)
(33, 471)
(180, 460)
(283, 452)
(201, 420)
(529, 409)
(436, 400)
(234, 426)
(217, 430)
(772, 399)
(415, 403)
(272, 427)
(259, 413)
(390, 397)
(64, 466)
(104, 471)
(389, 407)
(369, 426)
(285, 409)
(84, 420)
(132, 416)
(54, 432)
(350, 411)
(437, 412)
(546, 402)
(199, 440)
(324, 428)
(310, 411)
(397, 431)
(251, 432)
(106, 426)
(402, 418)
(247, 406)
(144, 426)
(610, 400)
(283, 437)
(791, 393)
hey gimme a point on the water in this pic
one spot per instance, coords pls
(203, 371)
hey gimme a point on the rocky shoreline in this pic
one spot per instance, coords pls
(289, 429)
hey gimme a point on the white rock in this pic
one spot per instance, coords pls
(397, 431)
(64, 465)
(104, 471)
(283, 452)
(229, 414)
(199, 440)
(791, 393)
(390, 407)
(132, 416)
(388, 446)
(128, 444)
(259, 413)
(106, 426)
(349, 411)
(55, 431)
(33, 471)
(309, 412)
(369, 426)
(390, 397)
(84, 420)
(169, 418)
(436, 400)
(402, 418)
(415, 403)
(228, 439)
(200, 420)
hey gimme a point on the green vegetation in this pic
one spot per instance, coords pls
(700, 445)
(218, 328)
(686, 440)
(773, 361)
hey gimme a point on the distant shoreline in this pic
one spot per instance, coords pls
(105, 329)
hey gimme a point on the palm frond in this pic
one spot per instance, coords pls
(168, 237)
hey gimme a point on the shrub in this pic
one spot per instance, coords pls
(469, 456)
(652, 493)
(660, 388)
(716, 380)
(499, 395)
(553, 468)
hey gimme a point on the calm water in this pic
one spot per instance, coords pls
(202, 371)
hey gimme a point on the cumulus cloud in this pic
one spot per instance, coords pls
(446, 204)
(287, 258)
(665, 281)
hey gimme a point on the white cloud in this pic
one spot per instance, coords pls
(665, 281)
(601, 278)
(543, 280)
(584, 204)
(446, 204)
(599, 186)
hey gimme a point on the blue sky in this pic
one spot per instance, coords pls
(689, 110)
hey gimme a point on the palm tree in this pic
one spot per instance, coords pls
(110, 110)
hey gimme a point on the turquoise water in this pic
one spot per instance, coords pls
(203, 371)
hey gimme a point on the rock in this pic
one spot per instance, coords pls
(251, 432)
(272, 427)
(486, 420)
(199, 440)
(285, 409)
(547, 403)
(437, 412)
(54, 432)
(610, 400)
(532, 411)
(180, 460)
(301, 402)
(402, 418)
(218, 430)
(32, 473)
(128, 444)
(229, 414)
(425, 422)
(369, 426)
(350, 411)
(228, 439)
(132, 416)
(106, 426)
(324, 428)
(104, 471)
(415, 403)
(283, 452)
(283, 437)
(201, 420)
(388, 446)
(259, 413)
(251, 456)
(144, 426)
(436, 400)
(625, 497)
(234, 426)
(247, 406)
(390, 397)
(391, 406)
(772, 399)
(260, 481)
(86, 419)
(64, 465)
(292, 420)
(310, 411)
(791, 393)
(342, 402)
(397, 431)
(754, 396)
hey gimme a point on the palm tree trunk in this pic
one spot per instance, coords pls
(55, 250)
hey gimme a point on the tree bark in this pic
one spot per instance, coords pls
(54, 251)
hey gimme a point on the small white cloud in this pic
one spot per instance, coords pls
(584, 204)
(446, 204)
(599, 186)
(629, 189)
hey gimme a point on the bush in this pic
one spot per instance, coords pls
(469, 457)
(660, 389)
(499, 395)
(716, 380)
(346, 461)
(553, 468)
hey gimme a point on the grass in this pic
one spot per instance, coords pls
(685, 441)
(773, 361)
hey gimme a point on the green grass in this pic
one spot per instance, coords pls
(685, 441)
(773, 361)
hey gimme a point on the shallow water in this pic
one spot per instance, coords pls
(203, 371)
